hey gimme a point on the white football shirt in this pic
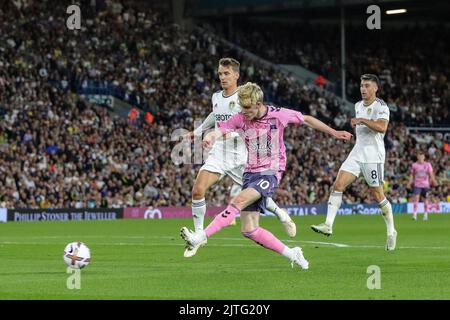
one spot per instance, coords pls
(224, 107)
(369, 147)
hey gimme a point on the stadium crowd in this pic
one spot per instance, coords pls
(59, 150)
(414, 74)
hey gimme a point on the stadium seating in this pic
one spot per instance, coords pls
(59, 150)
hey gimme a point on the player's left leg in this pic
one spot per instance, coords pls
(283, 216)
(373, 174)
(288, 224)
(235, 189)
(348, 173)
(205, 179)
(426, 204)
(236, 172)
(416, 198)
(250, 229)
(223, 219)
(386, 211)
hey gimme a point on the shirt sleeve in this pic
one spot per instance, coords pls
(383, 112)
(234, 123)
(209, 122)
(288, 116)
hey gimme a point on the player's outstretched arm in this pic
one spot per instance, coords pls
(211, 137)
(224, 129)
(380, 125)
(411, 179)
(319, 125)
(208, 123)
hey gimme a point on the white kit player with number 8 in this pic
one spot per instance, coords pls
(367, 158)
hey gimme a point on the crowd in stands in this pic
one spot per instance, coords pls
(57, 149)
(317, 160)
(415, 74)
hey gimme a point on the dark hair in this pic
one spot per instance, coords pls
(371, 77)
(230, 62)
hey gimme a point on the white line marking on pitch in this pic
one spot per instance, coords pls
(153, 244)
(334, 244)
(339, 245)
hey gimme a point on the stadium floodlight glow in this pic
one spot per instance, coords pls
(396, 11)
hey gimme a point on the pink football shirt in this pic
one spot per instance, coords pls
(422, 174)
(263, 137)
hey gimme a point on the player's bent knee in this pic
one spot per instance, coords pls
(237, 201)
(338, 186)
(198, 192)
(378, 194)
(248, 232)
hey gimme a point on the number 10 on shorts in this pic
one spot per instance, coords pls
(264, 184)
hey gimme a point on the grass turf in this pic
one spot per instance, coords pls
(143, 259)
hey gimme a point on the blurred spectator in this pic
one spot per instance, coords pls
(321, 81)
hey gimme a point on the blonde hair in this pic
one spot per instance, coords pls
(250, 94)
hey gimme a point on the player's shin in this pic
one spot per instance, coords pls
(198, 213)
(415, 207)
(426, 207)
(266, 239)
(334, 203)
(386, 211)
(222, 220)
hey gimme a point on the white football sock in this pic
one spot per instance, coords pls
(386, 211)
(275, 209)
(198, 213)
(288, 253)
(334, 203)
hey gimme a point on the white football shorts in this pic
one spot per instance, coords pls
(226, 164)
(373, 172)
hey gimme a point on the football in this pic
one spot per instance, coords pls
(77, 255)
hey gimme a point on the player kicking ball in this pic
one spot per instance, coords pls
(367, 157)
(262, 129)
(421, 174)
(226, 157)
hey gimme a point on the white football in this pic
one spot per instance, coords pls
(77, 255)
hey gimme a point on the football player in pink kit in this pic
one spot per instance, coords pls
(421, 174)
(262, 128)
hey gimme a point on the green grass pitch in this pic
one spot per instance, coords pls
(143, 259)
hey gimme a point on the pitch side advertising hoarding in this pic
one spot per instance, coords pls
(63, 214)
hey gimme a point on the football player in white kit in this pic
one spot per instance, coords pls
(227, 157)
(367, 157)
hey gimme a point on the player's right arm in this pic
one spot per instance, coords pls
(211, 138)
(208, 123)
(288, 116)
(376, 125)
(433, 177)
(411, 176)
(319, 125)
(381, 122)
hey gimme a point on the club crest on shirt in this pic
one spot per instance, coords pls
(232, 105)
(369, 111)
